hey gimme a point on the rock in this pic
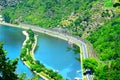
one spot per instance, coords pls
(8, 3)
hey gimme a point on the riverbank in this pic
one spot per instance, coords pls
(78, 42)
(14, 25)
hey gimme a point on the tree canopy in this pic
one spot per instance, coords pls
(7, 67)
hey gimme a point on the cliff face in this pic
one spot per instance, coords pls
(8, 3)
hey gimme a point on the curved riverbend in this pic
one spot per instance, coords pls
(80, 43)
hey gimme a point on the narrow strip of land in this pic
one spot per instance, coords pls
(32, 52)
(33, 48)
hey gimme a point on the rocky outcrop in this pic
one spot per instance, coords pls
(8, 3)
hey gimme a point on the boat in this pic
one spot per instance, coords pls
(76, 78)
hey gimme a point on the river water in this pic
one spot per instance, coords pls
(52, 52)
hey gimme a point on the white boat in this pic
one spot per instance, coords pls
(78, 71)
(76, 78)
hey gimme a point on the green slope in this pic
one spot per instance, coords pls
(79, 17)
(106, 42)
(45, 13)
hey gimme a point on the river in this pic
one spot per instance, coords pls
(52, 52)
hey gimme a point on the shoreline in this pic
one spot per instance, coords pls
(78, 42)
(27, 38)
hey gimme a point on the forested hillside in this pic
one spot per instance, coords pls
(106, 43)
(106, 40)
(97, 21)
(78, 17)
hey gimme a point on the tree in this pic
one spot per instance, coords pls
(7, 67)
(116, 4)
(109, 71)
(23, 52)
(90, 63)
(6, 17)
